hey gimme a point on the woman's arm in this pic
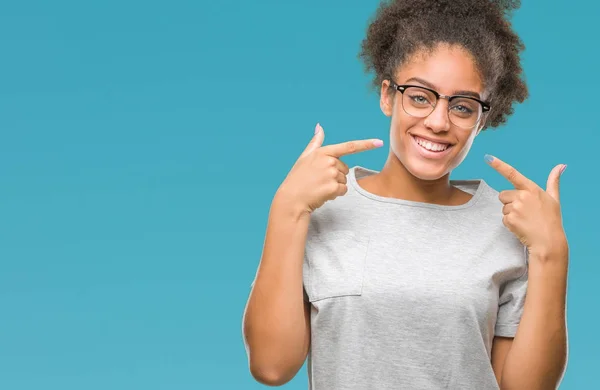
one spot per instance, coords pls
(277, 319)
(538, 355)
(500, 348)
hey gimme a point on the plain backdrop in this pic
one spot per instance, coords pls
(141, 144)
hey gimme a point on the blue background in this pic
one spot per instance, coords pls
(142, 141)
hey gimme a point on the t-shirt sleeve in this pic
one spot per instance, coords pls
(510, 306)
(305, 279)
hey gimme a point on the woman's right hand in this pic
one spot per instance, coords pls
(319, 175)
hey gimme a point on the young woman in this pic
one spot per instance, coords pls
(402, 278)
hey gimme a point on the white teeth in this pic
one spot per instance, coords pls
(431, 145)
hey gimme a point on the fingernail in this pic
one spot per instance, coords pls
(317, 128)
(563, 169)
(488, 159)
(378, 142)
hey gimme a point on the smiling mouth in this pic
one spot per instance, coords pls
(430, 146)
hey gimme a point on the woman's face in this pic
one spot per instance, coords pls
(449, 70)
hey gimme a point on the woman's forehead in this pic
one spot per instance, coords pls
(445, 68)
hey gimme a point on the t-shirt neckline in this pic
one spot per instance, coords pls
(479, 183)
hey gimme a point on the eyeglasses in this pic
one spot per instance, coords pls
(463, 111)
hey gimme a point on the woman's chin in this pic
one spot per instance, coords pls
(427, 170)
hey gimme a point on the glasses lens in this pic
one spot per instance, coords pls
(418, 102)
(464, 112)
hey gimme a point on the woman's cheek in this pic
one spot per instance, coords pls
(462, 154)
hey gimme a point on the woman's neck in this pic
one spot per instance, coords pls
(395, 181)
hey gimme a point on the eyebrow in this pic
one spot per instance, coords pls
(429, 85)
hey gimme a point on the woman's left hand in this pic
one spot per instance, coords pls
(532, 214)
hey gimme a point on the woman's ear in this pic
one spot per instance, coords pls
(386, 100)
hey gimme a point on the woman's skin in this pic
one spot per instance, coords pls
(277, 320)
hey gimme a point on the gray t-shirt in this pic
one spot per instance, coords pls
(408, 295)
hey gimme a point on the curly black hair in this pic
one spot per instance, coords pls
(400, 28)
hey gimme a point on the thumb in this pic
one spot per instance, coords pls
(553, 185)
(315, 142)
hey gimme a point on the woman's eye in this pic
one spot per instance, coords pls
(419, 99)
(462, 109)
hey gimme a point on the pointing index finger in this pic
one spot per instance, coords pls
(510, 173)
(351, 147)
